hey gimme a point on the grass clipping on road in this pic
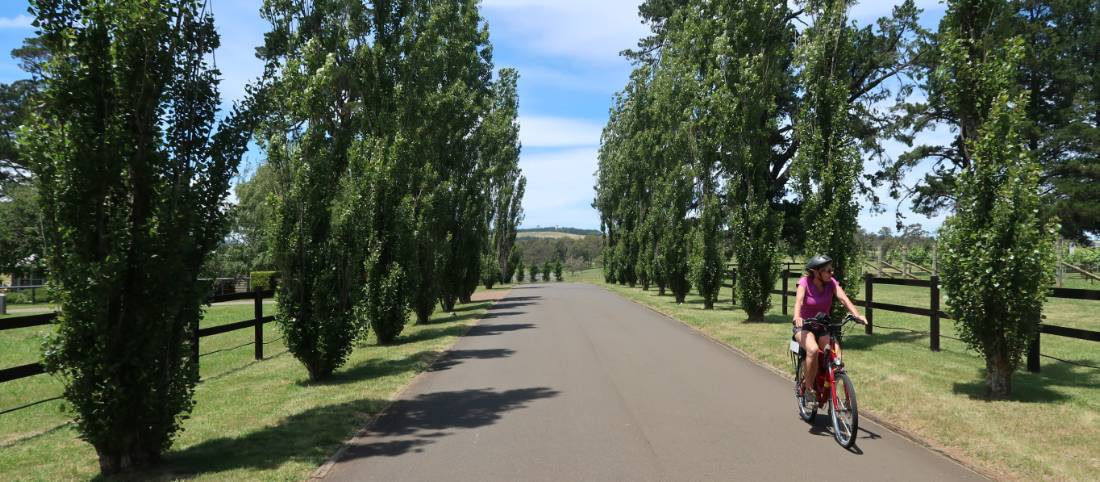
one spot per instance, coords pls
(253, 420)
(1049, 431)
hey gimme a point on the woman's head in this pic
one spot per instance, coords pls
(820, 266)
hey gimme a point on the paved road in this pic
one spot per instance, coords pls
(570, 382)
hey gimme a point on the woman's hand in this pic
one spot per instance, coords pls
(798, 322)
(860, 319)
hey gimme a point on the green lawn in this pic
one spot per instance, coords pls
(253, 420)
(1049, 431)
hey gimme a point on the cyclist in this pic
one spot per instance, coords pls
(816, 290)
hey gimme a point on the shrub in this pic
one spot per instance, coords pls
(490, 270)
(266, 280)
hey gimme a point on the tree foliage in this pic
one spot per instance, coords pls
(828, 164)
(132, 170)
(998, 249)
(1057, 70)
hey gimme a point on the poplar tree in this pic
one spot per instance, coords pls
(500, 150)
(758, 40)
(997, 248)
(828, 164)
(132, 170)
(319, 240)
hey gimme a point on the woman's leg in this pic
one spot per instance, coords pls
(809, 367)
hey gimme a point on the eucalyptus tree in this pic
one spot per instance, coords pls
(998, 256)
(828, 163)
(132, 169)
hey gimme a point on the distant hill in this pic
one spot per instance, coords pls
(555, 232)
(546, 234)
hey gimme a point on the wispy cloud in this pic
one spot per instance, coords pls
(559, 188)
(540, 131)
(578, 30)
(22, 21)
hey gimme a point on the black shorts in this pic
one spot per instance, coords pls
(819, 330)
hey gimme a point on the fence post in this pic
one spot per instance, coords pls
(259, 328)
(869, 290)
(34, 297)
(1033, 353)
(733, 280)
(195, 343)
(3, 304)
(786, 274)
(935, 319)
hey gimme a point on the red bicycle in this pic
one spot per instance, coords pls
(832, 385)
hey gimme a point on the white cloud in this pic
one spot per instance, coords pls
(577, 30)
(560, 188)
(543, 131)
(21, 21)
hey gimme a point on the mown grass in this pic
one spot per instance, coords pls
(253, 420)
(1048, 431)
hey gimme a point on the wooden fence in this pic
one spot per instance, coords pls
(934, 313)
(256, 323)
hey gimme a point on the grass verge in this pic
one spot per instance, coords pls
(253, 420)
(1048, 431)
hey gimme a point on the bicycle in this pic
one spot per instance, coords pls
(842, 401)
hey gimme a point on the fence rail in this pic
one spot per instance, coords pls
(256, 323)
(935, 315)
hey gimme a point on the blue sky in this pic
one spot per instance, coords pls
(567, 54)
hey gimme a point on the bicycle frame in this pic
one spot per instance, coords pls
(827, 369)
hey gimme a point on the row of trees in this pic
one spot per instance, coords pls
(392, 171)
(710, 141)
(717, 147)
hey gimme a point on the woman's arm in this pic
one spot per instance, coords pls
(848, 304)
(800, 293)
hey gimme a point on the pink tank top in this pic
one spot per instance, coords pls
(817, 301)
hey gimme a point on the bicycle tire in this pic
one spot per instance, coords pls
(806, 411)
(846, 422)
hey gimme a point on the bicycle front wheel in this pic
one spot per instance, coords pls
(844, 411)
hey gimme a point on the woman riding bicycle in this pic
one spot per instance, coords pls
(815, 295)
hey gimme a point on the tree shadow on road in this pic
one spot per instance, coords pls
(455, 357)
(488, 330)
(418, 422)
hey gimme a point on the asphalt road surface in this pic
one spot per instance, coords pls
(570, 382)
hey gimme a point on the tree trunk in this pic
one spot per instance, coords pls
(708, 303)
(122, 457)
(448, 303)
(755, 315)
(998, 379)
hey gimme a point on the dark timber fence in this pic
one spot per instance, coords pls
(256, 323)
(935, 315)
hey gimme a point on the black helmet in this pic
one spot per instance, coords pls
(818, 261)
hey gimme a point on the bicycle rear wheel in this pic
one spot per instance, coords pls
(844, 411)
(807, 406)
